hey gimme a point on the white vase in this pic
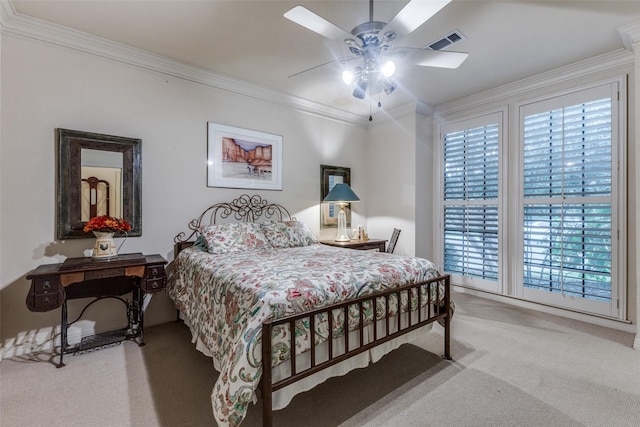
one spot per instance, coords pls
(105, 247)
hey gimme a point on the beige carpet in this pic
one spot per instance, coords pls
(512, 367)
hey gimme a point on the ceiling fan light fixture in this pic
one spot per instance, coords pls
(388, 85)
(371, 43)
(388, 69)
(388, 36)
(347, 76)
(354, 47)
(361, 87)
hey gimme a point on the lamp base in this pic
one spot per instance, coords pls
(342, 235)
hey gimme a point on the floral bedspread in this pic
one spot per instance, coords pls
(226, 297)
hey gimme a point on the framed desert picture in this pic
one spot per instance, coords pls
(242, 158)
(330, 176)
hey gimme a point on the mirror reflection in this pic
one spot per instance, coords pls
(101, 173)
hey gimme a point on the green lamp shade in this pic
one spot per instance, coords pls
(341, 193)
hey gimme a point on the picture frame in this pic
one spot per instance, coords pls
(243, 158)
(329, 176)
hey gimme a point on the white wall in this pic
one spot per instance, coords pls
(400, 180)
(391, 180)
(426, 179)
(1, 237)
(45, 87)
(633, 188)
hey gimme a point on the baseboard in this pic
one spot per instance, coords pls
(636, 342)
(583, 317)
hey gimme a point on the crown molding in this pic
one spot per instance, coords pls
(15, 24)
(630, 34)
(6, 11)
(424, 108)
(604, 62)
(415, 107)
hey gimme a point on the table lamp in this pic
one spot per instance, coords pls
(341, 194)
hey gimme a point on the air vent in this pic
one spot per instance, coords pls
(446, 41)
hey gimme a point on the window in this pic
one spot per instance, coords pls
(568, 208)
(470, 201)
(560, 237)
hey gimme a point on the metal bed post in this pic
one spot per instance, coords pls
(447, 320)
(267, 396)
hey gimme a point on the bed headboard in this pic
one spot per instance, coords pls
(243, 209)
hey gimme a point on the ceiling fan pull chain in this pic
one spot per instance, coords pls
(370, 100)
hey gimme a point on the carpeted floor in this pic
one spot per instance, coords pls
(511, 367)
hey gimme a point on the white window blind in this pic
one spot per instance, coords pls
(471, 188)
(567, 170)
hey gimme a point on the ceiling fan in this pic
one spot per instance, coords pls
(372, 41)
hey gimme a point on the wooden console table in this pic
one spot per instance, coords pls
(363, 245)
(52, 285)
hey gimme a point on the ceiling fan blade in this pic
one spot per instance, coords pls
(334, 61)
(414, 14)
(317, 24)
(436, 58)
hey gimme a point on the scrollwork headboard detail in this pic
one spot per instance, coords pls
(243, 209)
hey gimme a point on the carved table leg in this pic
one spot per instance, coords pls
(63, 334)
(138, 301)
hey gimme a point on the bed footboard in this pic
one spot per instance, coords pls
(436, 308)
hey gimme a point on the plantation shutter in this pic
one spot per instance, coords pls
(471, 188)
(567, 190)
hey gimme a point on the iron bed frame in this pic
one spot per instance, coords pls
(250, 208)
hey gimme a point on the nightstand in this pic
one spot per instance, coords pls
(52, 285)
(361, 245)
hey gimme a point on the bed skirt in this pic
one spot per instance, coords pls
(284, 396)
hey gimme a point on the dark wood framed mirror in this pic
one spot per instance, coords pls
(329, 176)
(97, 175)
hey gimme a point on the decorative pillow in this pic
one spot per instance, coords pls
(238, 237)
(288, 234)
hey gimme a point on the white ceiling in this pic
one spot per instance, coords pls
(252, 41)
